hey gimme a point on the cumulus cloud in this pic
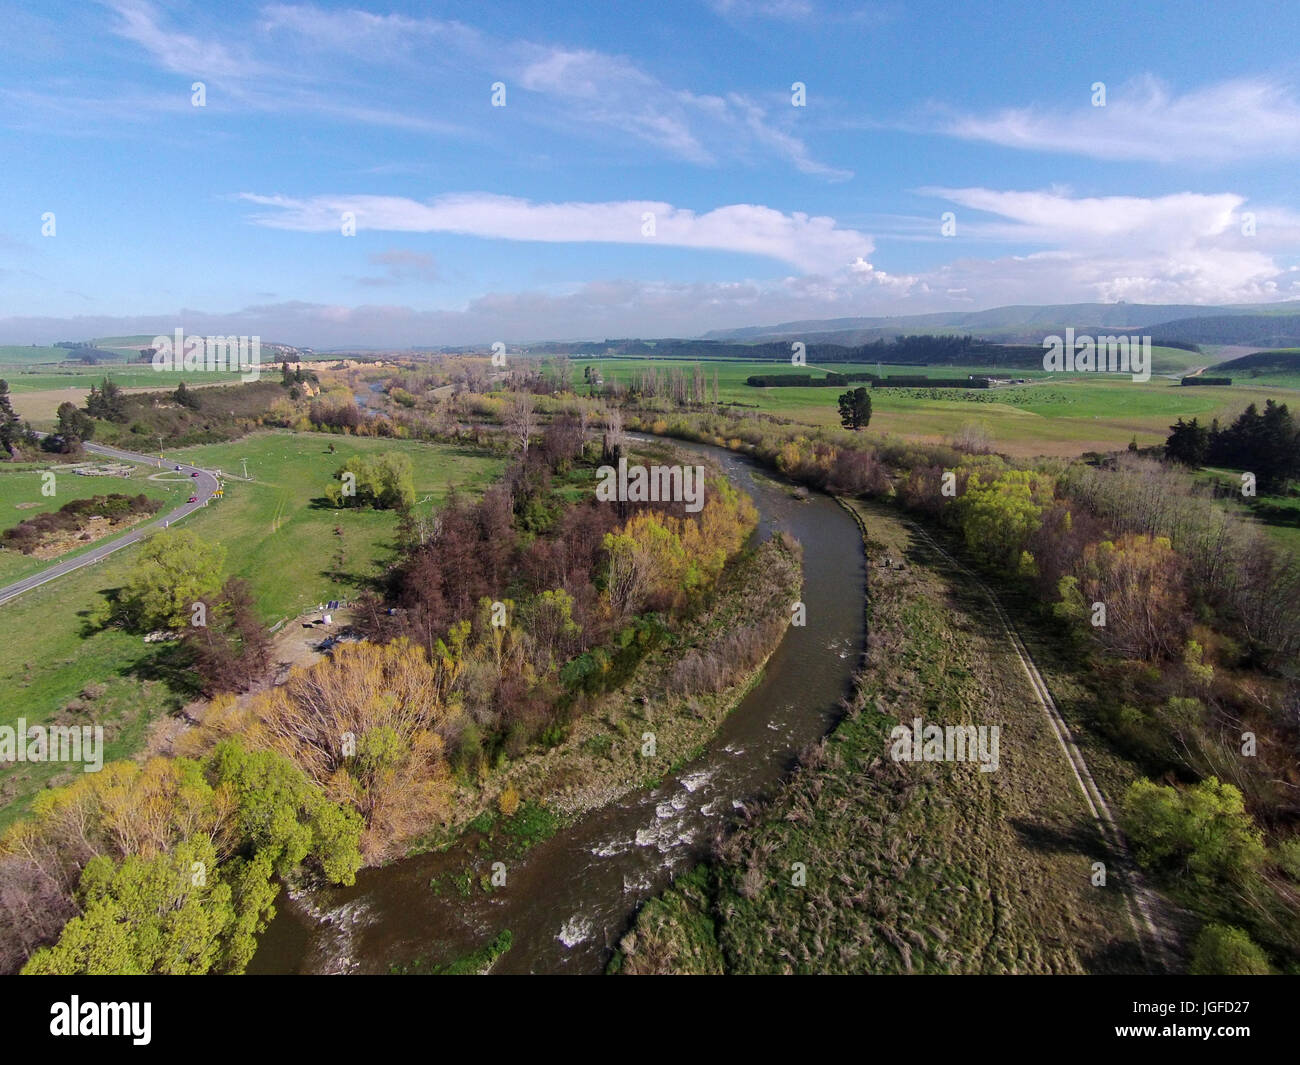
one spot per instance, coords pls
(1185, 247)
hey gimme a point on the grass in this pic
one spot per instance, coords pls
(134, 375)
(20, 498)
(1278, 514)
(279, 533)
(53, 649)
(475, 963)
(918, 868)
(1053, 414)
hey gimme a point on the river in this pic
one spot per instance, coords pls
(568, 900)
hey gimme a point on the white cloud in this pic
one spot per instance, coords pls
(1181, 248)
(808, 243)
(180, 52)
(1226, 122)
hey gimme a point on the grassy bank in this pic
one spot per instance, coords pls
(928, 867)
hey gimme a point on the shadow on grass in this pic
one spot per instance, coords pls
(169, 664)
(1081, 838)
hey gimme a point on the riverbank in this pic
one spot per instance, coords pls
(567, 888)
(866, 864)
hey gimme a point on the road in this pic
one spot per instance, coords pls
(203, 487)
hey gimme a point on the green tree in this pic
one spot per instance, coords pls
(186, 397)
(10, 431)
(71, 428)
(108, 401)
(1221, 950)
(998, 518)
(176, 570)
(1202, 832)
(164, 914)
(855, 409)
(284, 817)
(385, 482)
(1188, 442)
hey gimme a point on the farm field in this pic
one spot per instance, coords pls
(39, 406)
(133, 375)
(1054, 414)
(52, 645)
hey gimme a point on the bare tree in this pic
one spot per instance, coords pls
(521, 419)
(614, 437)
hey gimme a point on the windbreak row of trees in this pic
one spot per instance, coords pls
(1265, 443)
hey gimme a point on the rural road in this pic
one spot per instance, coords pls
(203, 487)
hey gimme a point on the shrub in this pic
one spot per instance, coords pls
(1221, 950)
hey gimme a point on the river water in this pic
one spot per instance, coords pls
(568, 900)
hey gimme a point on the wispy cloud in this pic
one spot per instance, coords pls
(305, 58)
(402, 265)
(1228, 121)
(811, 244)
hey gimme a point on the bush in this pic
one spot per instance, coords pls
(1203, 831)
(508, 801)
(1221, 950)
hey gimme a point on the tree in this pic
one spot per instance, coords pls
(998, 518)
(71, 428)
(10, 431)
(521, 419)
(855, 409)
(108, 401)
(385, 482)
(164, 914)
(176, 570)
(1266, 444)
(185, 397)
(1188, 443)
(1202, 832)
(1222, 950)
(1141, 581)
(232, 651)
(174, 861)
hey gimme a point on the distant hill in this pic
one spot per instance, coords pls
(1263, 362)
(923, 350)
(1281, 330)
(1028, 324)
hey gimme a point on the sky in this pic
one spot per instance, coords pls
(387, 175)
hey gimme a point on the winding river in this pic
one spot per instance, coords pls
(569, 900)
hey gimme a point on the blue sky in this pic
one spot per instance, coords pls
(477, 222)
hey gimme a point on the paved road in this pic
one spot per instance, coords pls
(202, 486)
